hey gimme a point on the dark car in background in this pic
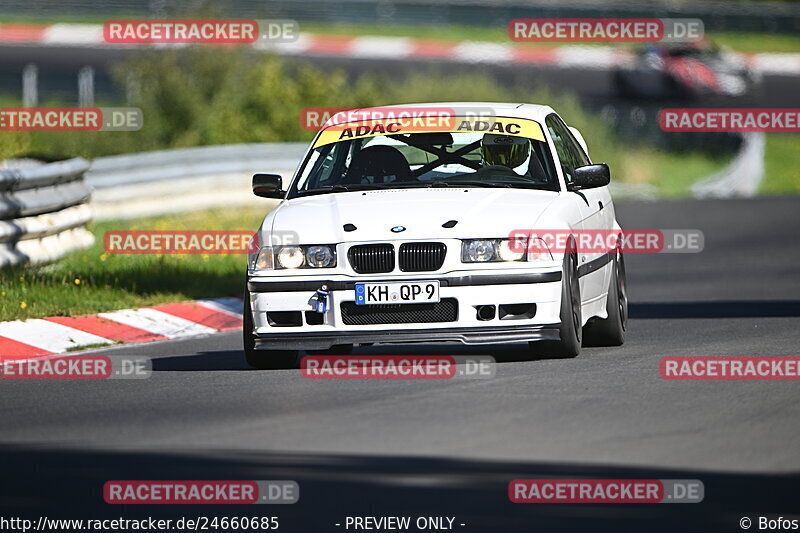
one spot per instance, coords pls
(684, 71)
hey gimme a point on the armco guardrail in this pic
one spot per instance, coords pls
(186, 179)
(43, 212)
(160, 165)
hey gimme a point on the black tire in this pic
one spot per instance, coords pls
(570, 329)
(262, 359)
(611, 331)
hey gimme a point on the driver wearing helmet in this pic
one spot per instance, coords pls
(504, 150)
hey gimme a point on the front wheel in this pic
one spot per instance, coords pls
(262, 359)
(611, 331)
(570, 329)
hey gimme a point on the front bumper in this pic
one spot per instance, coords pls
(484, 335)
(470, 289)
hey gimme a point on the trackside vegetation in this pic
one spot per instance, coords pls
(206, 95)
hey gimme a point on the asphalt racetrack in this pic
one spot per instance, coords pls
(361, 447)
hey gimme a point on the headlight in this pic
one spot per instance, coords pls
(320, 256)
(507, 252)
(503, 250)
(491, 251)
(263, 260)
(478, 251)
(538, 250)
(290, 257)
(293, 257)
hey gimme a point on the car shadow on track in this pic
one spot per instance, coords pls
(203, 361)
(233, 360)
(68, 483)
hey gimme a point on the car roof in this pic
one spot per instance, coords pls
(535, 112)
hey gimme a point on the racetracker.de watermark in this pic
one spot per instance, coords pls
(71, 119)
(197, 31)
(397, 367)
(606, 491)
(745, 368)
(206, 492)
(212, 242)
(418, 118)
(77, 367)
(601, 241)
(729, 120)
(606, 30)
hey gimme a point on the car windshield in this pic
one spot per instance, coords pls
(485, 152)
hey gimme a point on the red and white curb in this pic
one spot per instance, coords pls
(397, 48)
(55, 335)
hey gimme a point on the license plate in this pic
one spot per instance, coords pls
(397, 293)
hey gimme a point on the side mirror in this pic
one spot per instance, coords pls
(268, 186)
(590, 176)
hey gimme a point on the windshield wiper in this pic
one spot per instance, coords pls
(339, 188)
(506, 184)
(413, 184)
(404, 185)
(479, 183)
(425, 184)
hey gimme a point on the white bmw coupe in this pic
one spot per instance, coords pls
(424, 230)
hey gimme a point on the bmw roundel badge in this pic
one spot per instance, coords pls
(398, 229)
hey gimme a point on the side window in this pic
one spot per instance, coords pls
(324, 168)
(566, 157)
(580, 156)
(569, 151)
(335, 164)
(325, 171)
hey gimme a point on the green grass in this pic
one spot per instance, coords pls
(677, 172)
(86, 18)
(92, 281)
(671, 173)
(782, 169)
(421, 31)
(758, 42)
(742, 42)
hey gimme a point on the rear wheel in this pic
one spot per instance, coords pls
(262, 359)
(570, 329)
(611, 331)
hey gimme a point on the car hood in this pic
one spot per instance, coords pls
(479, 212)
